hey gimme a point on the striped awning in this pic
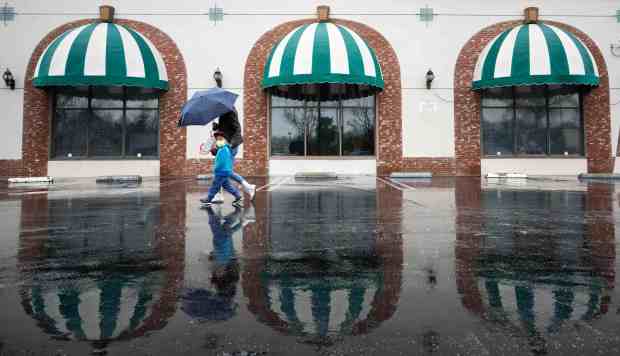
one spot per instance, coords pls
(535, 54)
(101, 54)
(322, 53)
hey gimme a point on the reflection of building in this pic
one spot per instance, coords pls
(533, 271)
(293, 285)
(101, 270)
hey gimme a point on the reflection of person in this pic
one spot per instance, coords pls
(231, 128)
(222, 170)
(218, 305)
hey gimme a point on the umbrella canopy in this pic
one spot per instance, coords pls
(206, 105)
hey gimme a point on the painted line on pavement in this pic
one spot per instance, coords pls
(280, 183)
(390, 184)
(270, 184)
(405, 186)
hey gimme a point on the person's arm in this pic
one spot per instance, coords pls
(237, 137)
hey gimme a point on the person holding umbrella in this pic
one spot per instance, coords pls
(207, 105)
(231, 128)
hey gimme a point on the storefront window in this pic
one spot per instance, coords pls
(324, 128)
(532, 121)
(105, 122)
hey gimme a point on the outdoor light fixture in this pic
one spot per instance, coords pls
(9, 80)
(218, 77)
(430, 76)
(615, 49)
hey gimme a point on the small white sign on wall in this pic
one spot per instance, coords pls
(428, 106)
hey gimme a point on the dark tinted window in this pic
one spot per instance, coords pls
(536, 120)
(113, 122)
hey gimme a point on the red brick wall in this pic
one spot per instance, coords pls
(467, 106)
(36, 126)
(11, 167)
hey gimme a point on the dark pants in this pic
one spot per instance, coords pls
(222, 182)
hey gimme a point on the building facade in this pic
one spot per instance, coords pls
(354, 88)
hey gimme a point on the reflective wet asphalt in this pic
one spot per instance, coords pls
(354, 266)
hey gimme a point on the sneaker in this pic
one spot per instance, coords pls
(251, 191)
(238, 202)
(218, 198)
(206, 204)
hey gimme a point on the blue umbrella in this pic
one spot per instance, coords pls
(206, 105)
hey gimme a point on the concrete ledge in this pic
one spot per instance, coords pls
(30, 180)
(119, 179)
(600, 176)
(316, 176)
(411, 175)
(506, 175)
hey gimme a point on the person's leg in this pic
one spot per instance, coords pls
(232, 190)
(216, 185)
(250, 189)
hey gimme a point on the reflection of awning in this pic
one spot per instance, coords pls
(101, 54)
(322, 53)
(535, 54)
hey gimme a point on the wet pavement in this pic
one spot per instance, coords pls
(356, 266)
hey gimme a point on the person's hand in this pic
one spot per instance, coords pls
(215, 126)
(214, 149)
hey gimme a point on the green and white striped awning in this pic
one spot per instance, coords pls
(101, 54)
(535, 54)
(321, 53)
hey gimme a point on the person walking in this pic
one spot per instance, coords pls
(231, 128)
(222, 170)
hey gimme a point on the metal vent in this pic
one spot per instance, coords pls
(216, 14)
(7, 13)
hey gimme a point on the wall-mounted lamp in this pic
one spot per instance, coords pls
(217, 75)
(430, 76)
(615, 49)
(9, 80)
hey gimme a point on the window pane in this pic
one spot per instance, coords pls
(72, 97)
(531, 130)
(106, 133)
(497, 97)
(142, 132)
(107, 97)
(563, 96)
(287, 132)
(368, 102)
(358, 131)
(279, 101)
(530, 96)
(142, 98)
(324, 134)
(565, 131)
(69, 130)
(497, 131)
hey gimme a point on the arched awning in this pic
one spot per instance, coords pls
(535, 54)
(101, 54)
(322, 55)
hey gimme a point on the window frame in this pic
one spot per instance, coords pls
(123, 156)
(340, 119)
(583, 154)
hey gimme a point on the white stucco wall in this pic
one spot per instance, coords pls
(85, 168)
(428, 118)
(11, 108)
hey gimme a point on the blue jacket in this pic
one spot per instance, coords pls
(223, 162)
